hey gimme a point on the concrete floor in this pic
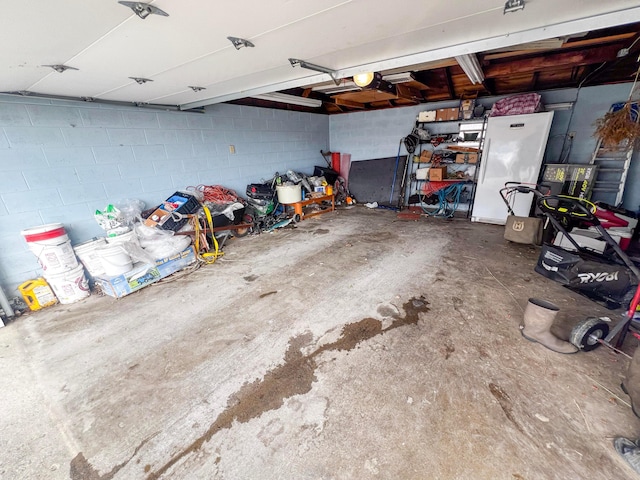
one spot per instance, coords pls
(354, 346)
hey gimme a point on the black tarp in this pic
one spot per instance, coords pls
(371, 180)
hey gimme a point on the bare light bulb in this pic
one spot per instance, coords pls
(363, 79)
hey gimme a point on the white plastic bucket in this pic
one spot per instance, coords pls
(115, 260)
(86, 252)
(51, 245)
(69, 286)
(129, 237)
(289, 193)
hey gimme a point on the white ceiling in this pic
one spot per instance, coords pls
(108, 43)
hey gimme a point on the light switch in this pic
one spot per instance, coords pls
(232, 149)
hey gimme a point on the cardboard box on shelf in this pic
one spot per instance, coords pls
(447, 114)
(437, 174)
(144, 274)
(422, 173)
(425, 157)
(428, 116)
(467, 158)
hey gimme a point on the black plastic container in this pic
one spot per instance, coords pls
(260, 191)
(186, 204)
(221, 220)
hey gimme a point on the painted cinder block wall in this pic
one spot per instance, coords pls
(61, 160)
(368, 135)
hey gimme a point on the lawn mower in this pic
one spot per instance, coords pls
(609, 277)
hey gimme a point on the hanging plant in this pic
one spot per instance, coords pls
(621, 125)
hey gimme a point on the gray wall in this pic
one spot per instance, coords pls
(369, 135)
(62, 160)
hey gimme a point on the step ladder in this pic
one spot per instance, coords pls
(613, 164)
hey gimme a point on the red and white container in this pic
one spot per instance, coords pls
(51, 245)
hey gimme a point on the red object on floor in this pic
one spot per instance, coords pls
(408, 215)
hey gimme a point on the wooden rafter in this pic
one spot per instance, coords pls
(348, 103)
(452, 92)
(534, 81)
(583, 57)
(408, 93)
(577, 44)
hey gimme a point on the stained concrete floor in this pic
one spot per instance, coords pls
(355, 346)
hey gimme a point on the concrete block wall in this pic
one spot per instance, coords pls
(61, 160)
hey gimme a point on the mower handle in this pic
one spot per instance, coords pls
(511, 187)
(575, 209)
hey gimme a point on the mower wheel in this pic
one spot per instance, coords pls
(296, 218)
(585, 334)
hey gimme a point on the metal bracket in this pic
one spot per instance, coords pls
(240, 42)
(315, 68)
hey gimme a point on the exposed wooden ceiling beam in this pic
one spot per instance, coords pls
(585, 57)
(577, 44)
(452, 92)
(534, 81)
(408, 93)
(347, 103)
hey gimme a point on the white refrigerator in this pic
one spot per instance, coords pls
(513, 150)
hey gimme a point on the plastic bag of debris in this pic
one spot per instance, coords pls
(110, 218)
(161, 243)
(130, 210)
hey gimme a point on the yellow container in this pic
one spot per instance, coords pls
(37, 294)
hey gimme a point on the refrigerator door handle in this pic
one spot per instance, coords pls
(485, 158)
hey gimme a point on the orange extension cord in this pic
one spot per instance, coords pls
(217, 194)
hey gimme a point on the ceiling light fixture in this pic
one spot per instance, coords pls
(373, 81)
(345, 86)
(471, 66)
(196, 89)
(141, 80)
(363, 79)
(240, 42)
(399, 77)
(513, 6)
(143, 10)
(315, 68)
(60, 68)
(291, 99)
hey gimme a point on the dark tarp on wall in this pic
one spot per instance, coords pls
(371, 180)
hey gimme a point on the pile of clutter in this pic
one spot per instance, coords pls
(132, 254)
(141, 246)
